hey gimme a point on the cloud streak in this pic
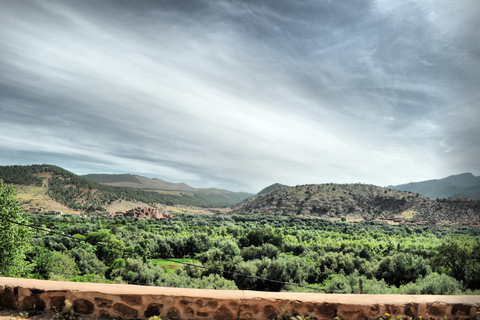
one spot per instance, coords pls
(242, 94)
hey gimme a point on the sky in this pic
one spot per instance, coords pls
(241, 94)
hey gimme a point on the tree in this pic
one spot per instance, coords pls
(13, 237)
(402, 268)
(258, 237)
(60, 266)
(113, 250)
(453, 257)
(87, 261)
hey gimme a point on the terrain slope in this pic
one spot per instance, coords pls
(136, 181)
(360, 202)
(76, 193)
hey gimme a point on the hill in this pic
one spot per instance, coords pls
(220, 196)
(360, 202)
(272, 188)
(135, 181)
(464, 185)
(78, 193)
(263, 192)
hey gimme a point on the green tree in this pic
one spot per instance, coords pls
(53, 265)
(229, 248)
(440, 284)
(61, 266)
(13, 237)
(402, 268)
(113, 250)
(87, 261)
(453, 257)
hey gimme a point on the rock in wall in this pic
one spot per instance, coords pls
(127, 301)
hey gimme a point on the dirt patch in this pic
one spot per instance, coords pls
(36, 197)
(196, 210)
(123, 206)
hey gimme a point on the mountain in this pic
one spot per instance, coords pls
(221, 196)
(78, 193)
(272, 188)
(360, 201)
(135, 181)
(464, 185)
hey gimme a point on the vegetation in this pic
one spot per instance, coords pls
(311, 252)
(13, 237)
(111, 178)
(244, 251)
(359, 201)
(273, 187)
(82, 194)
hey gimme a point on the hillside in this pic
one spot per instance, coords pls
(359, 201)
(272, 188)
(464, 185)
(78, 193)
(263, 192)
(135, 181)
(160, 186)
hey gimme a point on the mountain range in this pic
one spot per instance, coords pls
(79, 193)
(100, 192)
(136, 181)
(464, 185)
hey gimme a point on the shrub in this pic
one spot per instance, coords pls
(440, 284)
(401, 269)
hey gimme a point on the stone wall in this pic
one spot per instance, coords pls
(129, 301)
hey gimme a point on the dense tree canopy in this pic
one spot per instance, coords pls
(305, 251)
(13, 237)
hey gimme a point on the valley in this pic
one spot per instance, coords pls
(327, 237)
(51, 188)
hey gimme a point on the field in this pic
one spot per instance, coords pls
(36, 197)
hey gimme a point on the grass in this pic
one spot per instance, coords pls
(408, 214)
(170, 266)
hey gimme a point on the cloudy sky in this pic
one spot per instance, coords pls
(240, 94)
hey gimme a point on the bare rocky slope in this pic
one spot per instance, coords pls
(360, 201)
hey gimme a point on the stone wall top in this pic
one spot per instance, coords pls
(232, 294)
(132, 301)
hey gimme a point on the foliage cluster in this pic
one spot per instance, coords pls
(305, 251)
(13, 238)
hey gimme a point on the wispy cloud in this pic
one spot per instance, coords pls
(242, 94)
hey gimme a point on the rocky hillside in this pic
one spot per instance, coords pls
(78, 193)
(360, 201)
(464, 185)
(263, 192)
(272, 188)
